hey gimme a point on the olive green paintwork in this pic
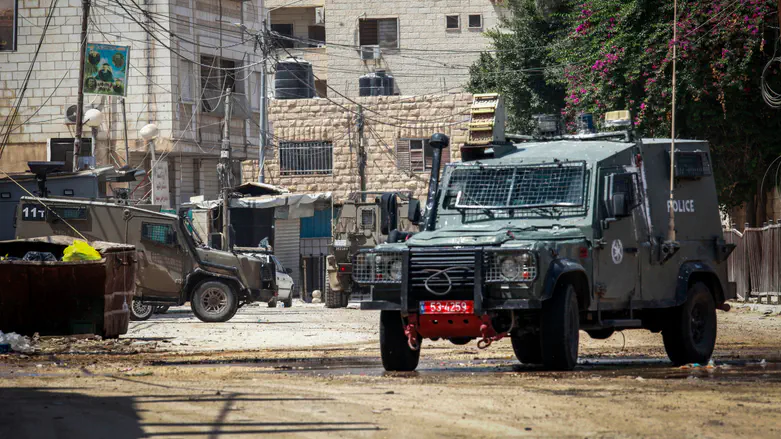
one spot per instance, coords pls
(348, 229)
(166, 272)
(635, 277)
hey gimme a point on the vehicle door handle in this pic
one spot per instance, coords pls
(630, 249)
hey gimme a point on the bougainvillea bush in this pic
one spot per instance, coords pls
(603, 55)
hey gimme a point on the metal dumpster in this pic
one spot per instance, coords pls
(63, 298)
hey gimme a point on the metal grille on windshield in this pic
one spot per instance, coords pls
(518, 191)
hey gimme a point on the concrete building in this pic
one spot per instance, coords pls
(174, 82)
(319, 141)
(427, 46)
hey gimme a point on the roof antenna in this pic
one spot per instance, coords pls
(670, 210)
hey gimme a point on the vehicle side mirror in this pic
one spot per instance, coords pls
(288, 271)
(388, 213)
(619, 196)
(619, 205)
(414, 214)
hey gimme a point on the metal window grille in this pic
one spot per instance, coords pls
(159, 233)
(71, 213)
(367, 219)
(306, 158)
(691, 164)
(518, 187)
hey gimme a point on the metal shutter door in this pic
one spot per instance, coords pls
(286, 245)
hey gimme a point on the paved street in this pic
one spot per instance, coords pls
(308, 371)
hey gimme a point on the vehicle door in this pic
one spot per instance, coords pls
(161, 258)
(284, 281)
(616, 250)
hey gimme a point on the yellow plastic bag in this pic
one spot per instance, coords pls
(80, 251)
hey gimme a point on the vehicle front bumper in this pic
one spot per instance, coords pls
(405, 297)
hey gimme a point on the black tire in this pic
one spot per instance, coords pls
(289, 302)
(560, 329)
(333, 299)
(691, 333)
(394, 350)
(161, 309)
(601, 334)
(140, 311)
(527, 347)
(345, 299)
(214, 301)
(460, 341)
(272, 303)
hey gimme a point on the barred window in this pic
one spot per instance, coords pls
(306, 158)
(158, 233)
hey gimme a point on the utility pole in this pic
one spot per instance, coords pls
(361, 154)
(225, 171)
(263, 140)
(85, 5)
(124, 125)
(671, 211)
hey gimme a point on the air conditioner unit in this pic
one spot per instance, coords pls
(70, 114)
(319, 15)
(370, 52)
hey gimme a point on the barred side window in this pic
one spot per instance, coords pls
(306, 158)
(158, 233)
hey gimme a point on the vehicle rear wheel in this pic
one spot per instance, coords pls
(214, 301)
(333, 299)
(140, 311)
(272, 303)
(691, 334)
(289, 302)
(560, 329)
(396, 353)
(601, 334)
(527, 347)
(460, 341)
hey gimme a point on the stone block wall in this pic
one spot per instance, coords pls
(386, 119)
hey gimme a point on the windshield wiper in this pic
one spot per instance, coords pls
(485, 210)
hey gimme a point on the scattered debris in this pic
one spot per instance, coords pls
(15, 342)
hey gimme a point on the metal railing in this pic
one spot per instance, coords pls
(755, 264)
(306, 158)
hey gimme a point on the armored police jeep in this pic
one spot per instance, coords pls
(538, 239)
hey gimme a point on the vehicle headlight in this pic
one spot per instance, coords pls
(395, 270)
(377, 268)
(510, 267)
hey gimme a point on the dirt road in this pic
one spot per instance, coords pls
(171, 378)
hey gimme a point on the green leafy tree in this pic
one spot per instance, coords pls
(520, 66)
(617, 54)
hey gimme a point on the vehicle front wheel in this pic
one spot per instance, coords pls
(560, 329)
(527, 347)
(140, 311)
(691, 333)
(214, 301)
(289, 302)
(396, 353)
(333, 299)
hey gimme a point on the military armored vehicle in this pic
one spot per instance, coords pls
(359, 224)
(539, 239)
(174, 264)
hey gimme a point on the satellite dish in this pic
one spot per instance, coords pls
(70, 114)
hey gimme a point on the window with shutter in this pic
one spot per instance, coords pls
(402, 154)
(415, 155)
